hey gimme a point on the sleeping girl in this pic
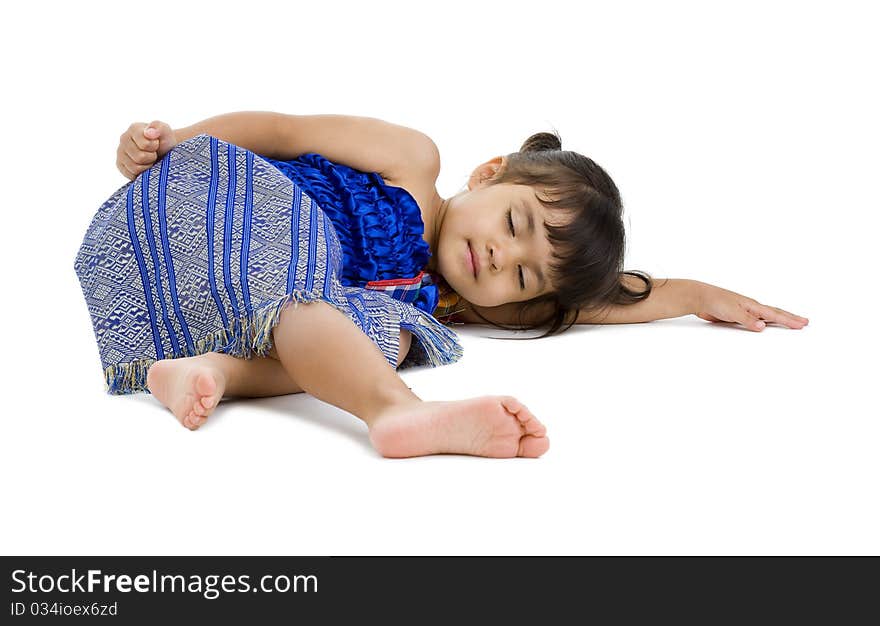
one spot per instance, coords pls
(258, 254)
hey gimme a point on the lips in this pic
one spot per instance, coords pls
(474, 261)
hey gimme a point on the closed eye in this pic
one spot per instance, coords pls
(522, 281)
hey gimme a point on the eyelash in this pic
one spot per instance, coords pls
(522, 281)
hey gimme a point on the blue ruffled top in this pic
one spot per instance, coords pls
(379, 226)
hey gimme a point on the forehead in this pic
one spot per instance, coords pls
(530, 198)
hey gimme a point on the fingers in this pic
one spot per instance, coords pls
(137, 150)
(124, 169)
(162, 128)
(145, 136)
(755, 317)
(758, 315)
(802, 320)
(751, 318)
(137, 155)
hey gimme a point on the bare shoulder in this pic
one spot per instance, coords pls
(422, 167)
(419, 175)
(369, 144)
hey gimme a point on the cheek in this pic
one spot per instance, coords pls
(487, 298)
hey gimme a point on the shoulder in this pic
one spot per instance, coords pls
(421, 167)
(428, 157)
(368, 144)
(418, 176)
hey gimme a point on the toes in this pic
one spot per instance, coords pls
(208, 403)
(532, 425)
(515, 407)
(526, 418)
(205, 384)
(193, 421)
(533, 447)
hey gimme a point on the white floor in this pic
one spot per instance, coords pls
(745, 147)
(672, 437)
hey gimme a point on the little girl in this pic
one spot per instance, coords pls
(258, 254)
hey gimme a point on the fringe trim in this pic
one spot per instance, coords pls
(249, 337)
(438, 343)
(252, 337)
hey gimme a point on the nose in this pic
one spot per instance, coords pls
(498, 259)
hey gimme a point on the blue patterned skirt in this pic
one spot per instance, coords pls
(202, 252)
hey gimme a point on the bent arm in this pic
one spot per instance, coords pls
(364, 143)
(670, 297)
(257, 131)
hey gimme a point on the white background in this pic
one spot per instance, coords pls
(744, 140)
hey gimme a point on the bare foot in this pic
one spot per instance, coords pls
(493, 426)
(190, 387)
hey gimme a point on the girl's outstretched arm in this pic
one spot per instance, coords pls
(674, 297)
(670, 297)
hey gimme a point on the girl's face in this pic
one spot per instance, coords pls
(511, 265)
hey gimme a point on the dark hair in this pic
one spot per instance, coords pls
(589, 248)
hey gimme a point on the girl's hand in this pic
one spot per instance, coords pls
(720, 305)
(141, 145)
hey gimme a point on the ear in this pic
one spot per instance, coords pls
(487, 170)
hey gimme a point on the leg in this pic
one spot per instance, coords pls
(191, 387)
(326, 355)
(336, 362)
(252, 378)
(333, 360)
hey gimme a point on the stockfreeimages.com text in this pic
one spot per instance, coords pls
(210, 585)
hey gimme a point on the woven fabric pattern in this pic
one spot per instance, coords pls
(202, 252)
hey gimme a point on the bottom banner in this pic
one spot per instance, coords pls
(134, 589)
